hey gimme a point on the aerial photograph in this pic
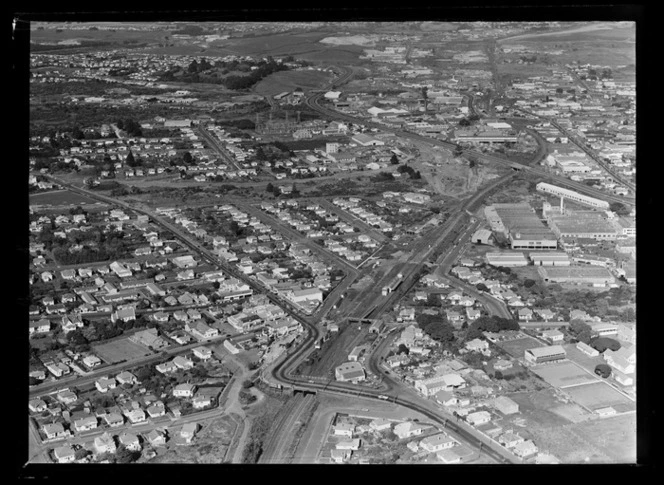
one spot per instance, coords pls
(331, 242)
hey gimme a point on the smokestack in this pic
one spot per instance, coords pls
(562, 209)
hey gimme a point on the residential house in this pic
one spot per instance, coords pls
(104, 384)
(510, 440)
(344, 429)
(340, 456)
(113, 419)
(182, 362)
(64, 454)
(136, 416)
(156, 438)
(437, 442)
(105, 444)
(202, 353)
(166, 367)
(54, 431)
(409, 429)
(126, 377)
(380, 424)
(477, 345)
(184, 390)
(156, 409)
(129, 441)
(478, 418)
(37, 405)
(525, 449)
(353, 444)
(188, 431)
(85, 424)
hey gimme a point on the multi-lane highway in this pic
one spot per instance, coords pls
(313, 102)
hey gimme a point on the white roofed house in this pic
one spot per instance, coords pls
(437, 442)
(409, 429)
(130, 441)
(477, 345)
(478, 418)
(105, 443)
(104, 384)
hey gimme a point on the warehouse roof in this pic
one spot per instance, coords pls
(547, 351)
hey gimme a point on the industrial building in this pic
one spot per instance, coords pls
(509, 260)
(545, 354)
(588, 275)
(481, 236)
(570, 194)
(554, 258)
(585, 224)
(522, 226)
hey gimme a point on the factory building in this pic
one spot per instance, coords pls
(522, 226)
(570, 194)
(586, 275)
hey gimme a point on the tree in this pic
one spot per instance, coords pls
(81, 453)
(394, 160)
(559, 90)
(464, 122)
(125, 455)
(269, 187)
(602, 343)
(482, 287)
(403, 349)
(603, 370)
(187, 159)
(425, 96)
(130, 161)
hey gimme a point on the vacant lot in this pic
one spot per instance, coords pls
(282, 81)
(59, 197)
(517, 347)
(563, 374)
(120, 350)
(600, 395)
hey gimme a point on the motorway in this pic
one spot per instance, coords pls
(313, 103)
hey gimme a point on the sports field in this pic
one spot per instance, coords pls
(563, 374)
(600, 395)
(517, 347)
(120, 350)
(59, 197)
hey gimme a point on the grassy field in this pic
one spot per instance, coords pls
(563, 374)
(120, 350)
(59, 197)
(282, 81)
(517, 347)
(599, 395)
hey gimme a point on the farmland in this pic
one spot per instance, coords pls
(120, 350)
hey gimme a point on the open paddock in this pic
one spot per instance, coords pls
(60, 197)
(564, 374)
(517, 347)
(600, 395)
(120, 350)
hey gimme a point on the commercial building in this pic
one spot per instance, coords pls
(448, 382)
(570, 194)
(545, 354)
(506, 259)
(586, 275)
(349, 371)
